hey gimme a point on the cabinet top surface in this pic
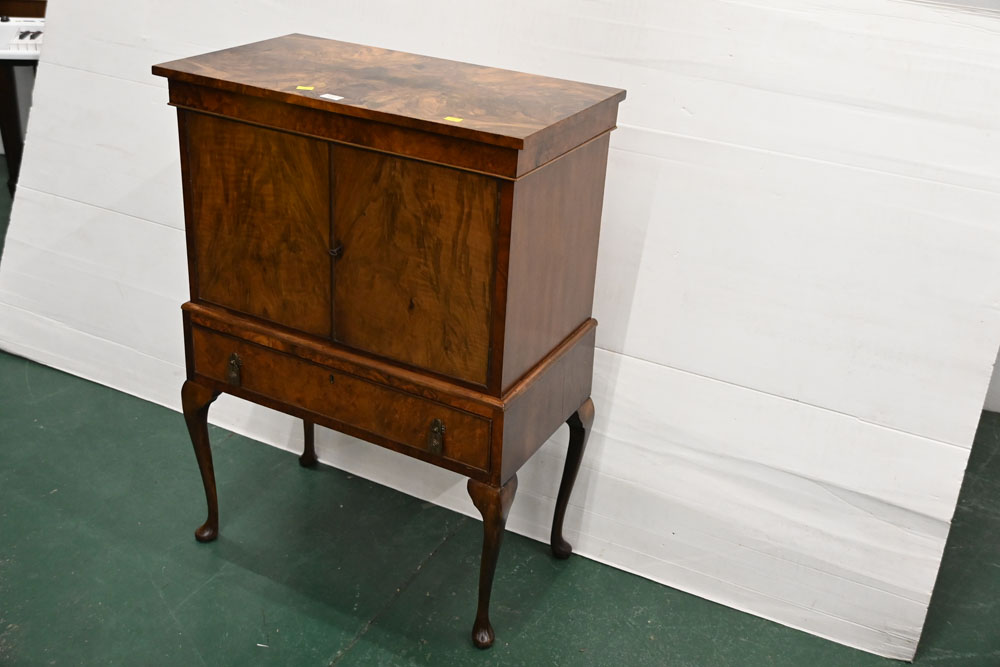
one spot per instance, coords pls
(458, 99)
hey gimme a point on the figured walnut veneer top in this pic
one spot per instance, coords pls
(495, 106)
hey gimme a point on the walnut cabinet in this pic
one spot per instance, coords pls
(398, 247)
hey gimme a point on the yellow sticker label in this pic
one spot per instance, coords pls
(304, 87)
(453, 119)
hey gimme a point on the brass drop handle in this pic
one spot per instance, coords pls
(435, 437)
(234, 370)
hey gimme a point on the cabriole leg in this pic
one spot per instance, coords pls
(493, 503)
(308, 458)
(579, 430)
(195, 399)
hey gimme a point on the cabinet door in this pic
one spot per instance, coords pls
(414, 272)
(259, 221)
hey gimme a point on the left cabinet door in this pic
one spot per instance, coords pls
(258, 220)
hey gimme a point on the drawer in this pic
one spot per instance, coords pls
(377, 413)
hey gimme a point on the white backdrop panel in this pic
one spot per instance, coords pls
(798, 275)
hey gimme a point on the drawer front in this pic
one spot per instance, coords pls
(259, 221)
(415, 261)
(380, 412)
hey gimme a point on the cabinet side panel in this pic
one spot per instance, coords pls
(259, 221)
(546, 399)
(555, 228)
(413, 279)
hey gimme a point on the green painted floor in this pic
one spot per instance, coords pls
(99, 495)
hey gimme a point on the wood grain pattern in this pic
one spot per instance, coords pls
(343, 359)
(567, 134)
(196, 400)
(545, 398)
(413, 282)
(521, 421)
(371, 409)
(363, 267)
(260, 235)
(403, 141)
(501, 262)
(496, 106)
(493, 504)
(580, 425)
(554, 231)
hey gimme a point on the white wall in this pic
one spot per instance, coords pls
(798, 278)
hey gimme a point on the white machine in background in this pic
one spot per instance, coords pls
(20, 38)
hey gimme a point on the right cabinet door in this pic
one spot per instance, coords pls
(414, 261)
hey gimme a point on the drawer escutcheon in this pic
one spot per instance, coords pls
(435, 437)
(233, 370)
